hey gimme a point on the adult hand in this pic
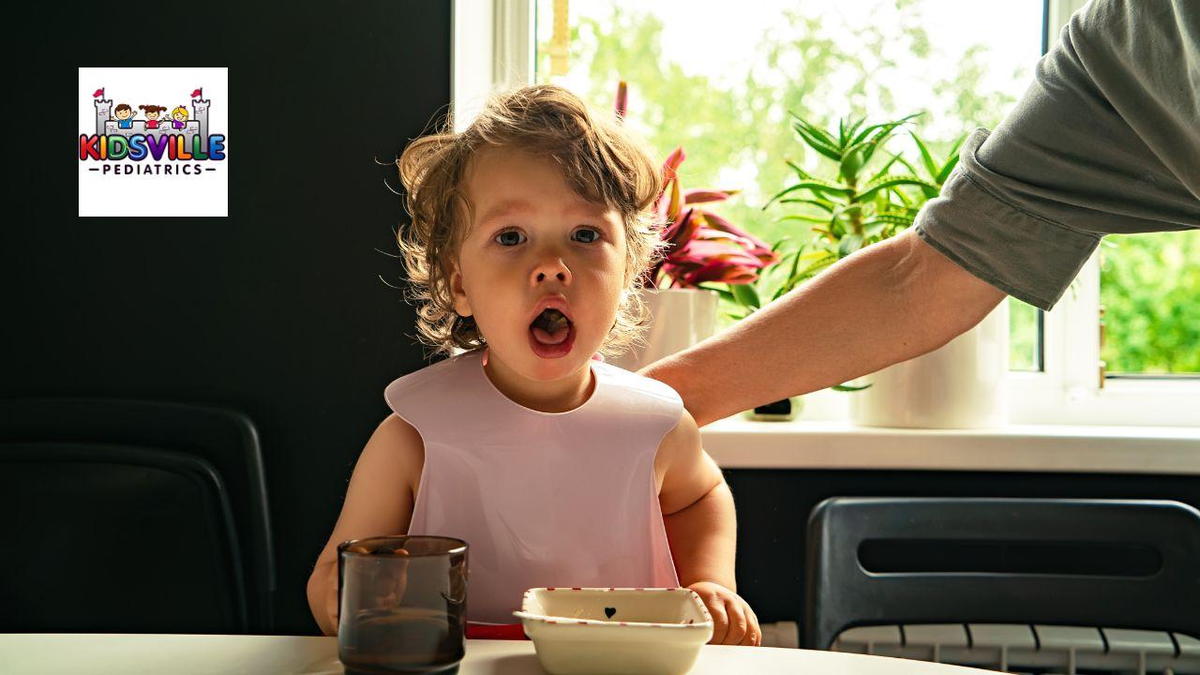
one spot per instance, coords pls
(734, 623)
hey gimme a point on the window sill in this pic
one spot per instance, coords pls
(738, 443)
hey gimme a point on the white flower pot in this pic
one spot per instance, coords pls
(959, 386)
(679, 318)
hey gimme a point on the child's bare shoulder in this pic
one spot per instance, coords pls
(395, 430)
(398, 445)
(685, 471)
(678, 446)
(686, 432)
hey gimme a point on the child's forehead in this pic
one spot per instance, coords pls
(500, 162)
(502, 180)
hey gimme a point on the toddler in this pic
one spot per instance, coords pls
(529, 232)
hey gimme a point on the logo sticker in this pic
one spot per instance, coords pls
(148, 147)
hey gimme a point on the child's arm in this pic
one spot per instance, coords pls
(378, 502)
(701, 526)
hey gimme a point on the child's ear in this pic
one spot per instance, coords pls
(462, 306)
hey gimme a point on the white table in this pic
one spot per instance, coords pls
(262, 655)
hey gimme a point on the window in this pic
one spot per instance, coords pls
(876, 58)
(880, 58)
(1150, 299)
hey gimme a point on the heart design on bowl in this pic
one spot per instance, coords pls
(609, 611)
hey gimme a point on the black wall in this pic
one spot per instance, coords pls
(278, 310)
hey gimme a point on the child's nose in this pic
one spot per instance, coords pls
(551, 268)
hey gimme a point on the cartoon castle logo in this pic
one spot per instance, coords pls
(196, 124)
(179, 136)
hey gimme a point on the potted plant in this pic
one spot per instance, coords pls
(866, 201)
(699, 246)
(844, 214)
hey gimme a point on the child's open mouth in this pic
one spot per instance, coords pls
(551, 335)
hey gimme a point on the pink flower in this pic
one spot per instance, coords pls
(701, 246)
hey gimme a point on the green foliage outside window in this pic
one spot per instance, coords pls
(739, 138)
(1150, 290)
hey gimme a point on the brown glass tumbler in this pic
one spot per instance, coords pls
(401, 604)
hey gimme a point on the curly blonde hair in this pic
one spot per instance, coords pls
(600, 161)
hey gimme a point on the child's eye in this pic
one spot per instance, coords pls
(587, 230)
(506, 238)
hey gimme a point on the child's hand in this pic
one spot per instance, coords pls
(734, 623)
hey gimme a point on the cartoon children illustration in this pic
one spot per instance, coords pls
(153, 112)
(179, 117)
(124, 114)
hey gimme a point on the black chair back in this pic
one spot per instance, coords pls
(137, 516)
(117, 539)
(1083, 562)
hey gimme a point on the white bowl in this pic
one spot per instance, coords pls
(589, 631)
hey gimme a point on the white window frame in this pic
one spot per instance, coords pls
(493, 49)
(1069, 390)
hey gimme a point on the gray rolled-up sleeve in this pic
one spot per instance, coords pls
(1105, 140)
(1023, 254)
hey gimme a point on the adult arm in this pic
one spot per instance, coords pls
(1105, 140)
(886, 303)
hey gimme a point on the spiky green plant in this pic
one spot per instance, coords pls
(861, 200)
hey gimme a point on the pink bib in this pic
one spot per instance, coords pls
(542, 499)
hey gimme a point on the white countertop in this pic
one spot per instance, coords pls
(738, 443)
(31, 654)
